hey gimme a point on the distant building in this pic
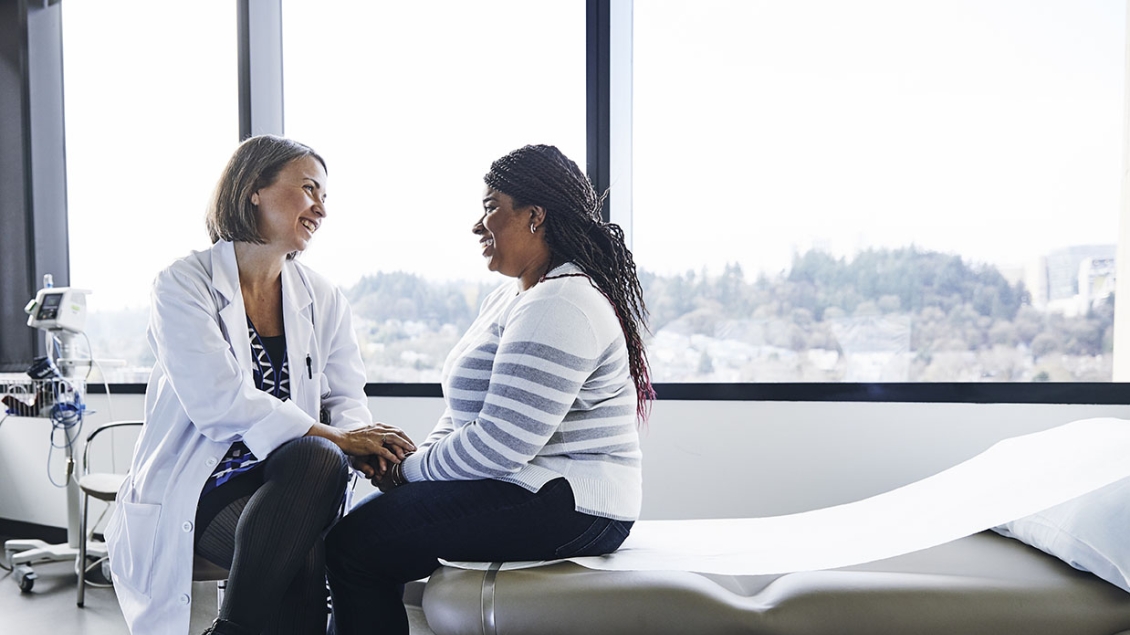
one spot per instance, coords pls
(1036, 281)
(1064, 280)
(1096, 281)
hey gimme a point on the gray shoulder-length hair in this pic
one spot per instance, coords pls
(255, 164)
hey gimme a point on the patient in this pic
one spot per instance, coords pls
(537, 454)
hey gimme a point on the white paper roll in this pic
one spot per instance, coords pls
(1012, 479)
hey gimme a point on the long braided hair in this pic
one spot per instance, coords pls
(542, 175)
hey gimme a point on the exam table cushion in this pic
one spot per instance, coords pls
(983, 584)
(1091, 533)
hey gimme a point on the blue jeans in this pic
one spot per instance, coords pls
(393, 538)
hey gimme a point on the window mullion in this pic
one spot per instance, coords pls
(1121, 361)
(259, 28)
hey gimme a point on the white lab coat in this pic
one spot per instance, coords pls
(200, 399)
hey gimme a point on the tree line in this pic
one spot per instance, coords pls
(952, 304)
(409, 322)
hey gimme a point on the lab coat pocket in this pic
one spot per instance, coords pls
(134, 537)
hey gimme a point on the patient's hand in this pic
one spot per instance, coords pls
(371, 466)
(377, 468)
(383, 481)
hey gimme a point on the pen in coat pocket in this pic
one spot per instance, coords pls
(309, 366)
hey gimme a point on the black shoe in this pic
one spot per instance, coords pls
(224, 627)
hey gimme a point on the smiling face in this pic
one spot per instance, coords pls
(293, 207)
(508, 245)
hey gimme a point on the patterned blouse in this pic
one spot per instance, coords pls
(271, 373)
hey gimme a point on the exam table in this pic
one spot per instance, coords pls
(962, 552)
(983, 584)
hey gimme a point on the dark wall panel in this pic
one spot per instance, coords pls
(32, 169)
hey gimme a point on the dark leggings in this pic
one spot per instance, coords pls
(392, 538)
(270, 537)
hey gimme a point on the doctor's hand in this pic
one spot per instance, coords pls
(384, 443)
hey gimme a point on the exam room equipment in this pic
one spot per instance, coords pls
(53, 389)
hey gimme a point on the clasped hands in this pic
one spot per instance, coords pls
(373, 451)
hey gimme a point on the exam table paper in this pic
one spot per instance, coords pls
(1012, 479)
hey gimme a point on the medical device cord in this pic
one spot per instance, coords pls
(105, 382)
(4, 566)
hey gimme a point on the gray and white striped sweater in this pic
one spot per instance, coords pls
(539, 388)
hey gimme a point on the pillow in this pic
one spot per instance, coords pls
(1090, 533)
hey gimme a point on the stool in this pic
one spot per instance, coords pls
(101, 485)
(104, 486)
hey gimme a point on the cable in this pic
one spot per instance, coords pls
(90, 567)
(65, 417)
(109, 399)
(90, 352)
(105, 382)
(5, 567)
(59, 376)
(98, 562)
(53, 346)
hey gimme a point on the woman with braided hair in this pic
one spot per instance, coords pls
(537, 454)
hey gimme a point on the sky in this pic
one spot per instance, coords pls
(992, 128)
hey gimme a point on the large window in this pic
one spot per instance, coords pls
(409, 103)
(878, 191)
(821, 191)
(151, 117)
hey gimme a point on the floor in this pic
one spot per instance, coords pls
(50, 606)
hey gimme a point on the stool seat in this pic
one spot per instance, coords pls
(204, 570)
(102, 486)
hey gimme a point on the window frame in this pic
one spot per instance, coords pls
(608, 117)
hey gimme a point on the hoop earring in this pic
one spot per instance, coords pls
(533, 228)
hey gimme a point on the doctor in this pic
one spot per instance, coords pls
(255, 402)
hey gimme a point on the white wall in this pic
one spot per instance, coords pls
(701, 459)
